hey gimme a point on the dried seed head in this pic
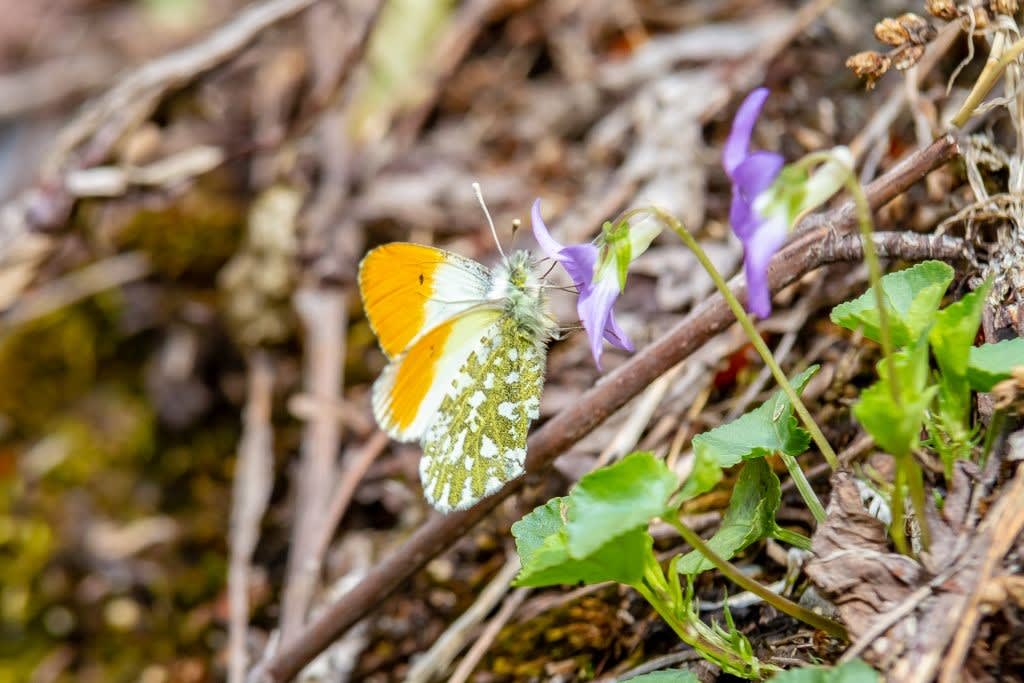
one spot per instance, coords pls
(1005, 6)
(869, 65)
(917, 28)
(907, 56)
(906, 28)
(890, 32)
(943, 9)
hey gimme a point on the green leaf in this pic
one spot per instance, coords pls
(992, 363)
(750, 517)
(895, 422)
(850, 672)
(952, 338)
(666, 676)
(543, 547)
(767, 429)
(612, 500)
(956, 326)
(911, 297)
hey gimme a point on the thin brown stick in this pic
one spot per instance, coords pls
(254, 476)
(812, 247)
(348, 481)
(323, 314)
(439, 657)
(487, 637)
(140, 90)
(75, 286)
(88, 139)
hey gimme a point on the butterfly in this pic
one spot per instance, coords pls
(467, 347)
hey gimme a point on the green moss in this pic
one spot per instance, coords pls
(191, 238)
(45, 365)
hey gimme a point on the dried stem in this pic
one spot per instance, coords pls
(990, 75)
(323, 315)
(254, 476)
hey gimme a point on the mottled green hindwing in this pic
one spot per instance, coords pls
(477, 442)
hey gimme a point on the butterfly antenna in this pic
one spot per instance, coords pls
(494, 232)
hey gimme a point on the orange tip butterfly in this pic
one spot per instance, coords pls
(466, 346)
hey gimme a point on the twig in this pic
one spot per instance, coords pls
(323, 316)
(452, 48)
(76, 286)
(781, 351)
(139, 91)
(346, 486)
(491, 630)
(1002, 525)
(636, 422)
(439, 657)
(625, 440)
(881, 121)
(53, 82)
(892, 616)
(254, 474)
(102, 123)
(808, 250)
(994, 67)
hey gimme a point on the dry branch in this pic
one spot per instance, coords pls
(323, 315)
(812, 247)
(254, 476)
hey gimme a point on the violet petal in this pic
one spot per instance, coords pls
(737, 145)
(758, 252)
(540, 232)
(579, 260)
(595, 307)
(616, 336)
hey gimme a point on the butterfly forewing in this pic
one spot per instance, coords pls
(409, 289)
(477, 441)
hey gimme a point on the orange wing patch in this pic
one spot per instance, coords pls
(397, 281)
(409, 391)
(416, 374)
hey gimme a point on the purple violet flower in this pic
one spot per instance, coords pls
(598, 287)
(752, 174)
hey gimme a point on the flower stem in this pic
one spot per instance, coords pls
(656, 590)
(898, 526)
(995, 425)
(915, 484)
(911, 470)
(781, 603)
(866, 227)
(803, 486)
(864, 222)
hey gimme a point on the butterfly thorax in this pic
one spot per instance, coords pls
(516, 286)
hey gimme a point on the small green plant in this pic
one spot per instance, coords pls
(912, 395)
(599, 531)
